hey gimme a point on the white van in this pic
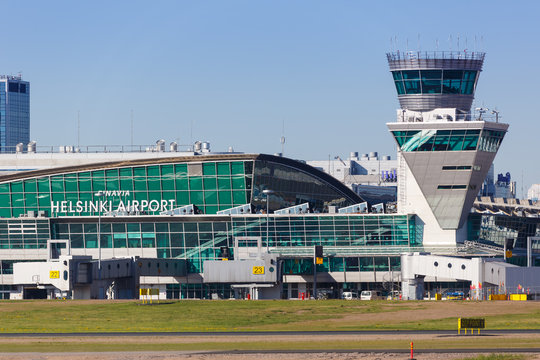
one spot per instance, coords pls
(370, 295)
(349, 295)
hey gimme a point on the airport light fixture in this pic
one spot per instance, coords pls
(99, 195)
(267, 193)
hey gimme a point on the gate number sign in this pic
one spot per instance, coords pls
(258, 270)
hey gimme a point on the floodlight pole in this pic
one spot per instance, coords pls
(314, 274)
(99, 195)
(267, 192)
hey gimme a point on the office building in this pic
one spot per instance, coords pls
(14, 113)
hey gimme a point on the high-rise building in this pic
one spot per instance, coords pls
(14, 112)
(445, 150)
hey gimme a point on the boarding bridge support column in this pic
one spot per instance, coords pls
(412, 285)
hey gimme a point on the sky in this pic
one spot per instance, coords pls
(244, 73)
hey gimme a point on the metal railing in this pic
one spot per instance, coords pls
(428, 55)
(69, 149)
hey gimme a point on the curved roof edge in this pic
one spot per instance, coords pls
(336, 184)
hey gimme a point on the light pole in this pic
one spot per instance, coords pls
(267, 193)
(99, 195)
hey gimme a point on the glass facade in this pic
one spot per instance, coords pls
(211, 186)
(14, 113)
(201, 238)
(449, 140)
(412, 82)
(24, 233)
(292, 187)
(497, 228)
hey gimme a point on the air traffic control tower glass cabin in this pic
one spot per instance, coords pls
(444, 149)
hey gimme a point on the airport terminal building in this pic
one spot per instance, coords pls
(197, 224)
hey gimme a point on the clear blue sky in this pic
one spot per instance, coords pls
(237, 70)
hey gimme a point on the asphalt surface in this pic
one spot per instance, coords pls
(259, 333)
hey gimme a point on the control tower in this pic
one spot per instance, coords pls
(444, 149)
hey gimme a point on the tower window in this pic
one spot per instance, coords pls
(13, 87)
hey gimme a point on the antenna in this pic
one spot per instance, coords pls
(131, 129)
(482, 43)
(458, 42)
(450, 41)
(191, 133)
(282, 140)
(418, 41)
(437, 44)
(78, 128)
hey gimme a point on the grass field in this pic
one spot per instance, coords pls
(185, 316)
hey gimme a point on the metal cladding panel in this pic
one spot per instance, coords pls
(448, 64)
(427, 102)
(426, 168)
(239, 271)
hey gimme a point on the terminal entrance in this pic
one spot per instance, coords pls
(34, 293)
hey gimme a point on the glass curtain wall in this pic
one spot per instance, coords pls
(200, 240)
(211, 186)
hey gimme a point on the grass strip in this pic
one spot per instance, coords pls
(208, 316)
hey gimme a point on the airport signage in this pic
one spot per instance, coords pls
(54, 274)
(258, 270)
(107, 206)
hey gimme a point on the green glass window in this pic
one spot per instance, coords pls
(210, 197)
(43, 185)
(431, 74)
(237, 168)
(210, 183)
(30, 186)
(180, 170)
(126, 184)
(456, 140)
(85, 184)
(209, 169)
(182, 198)
(225, 197)
(396, 75)
(153, 171)
(412, 87)
(57, 184)
(441, 140)
(154, 184)
(239, 197)
(238, 183)
(223, 168)
(126, 172)
(139, 172)
(134, 239)
(196, 197)
(17, 187)
(140, 184)
(411, 74)
(224, 183)
(400, 88)
(120, 240)
(98, 183)
(431, 86)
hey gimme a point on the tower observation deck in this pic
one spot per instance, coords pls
(440, 79)
(444, 151)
